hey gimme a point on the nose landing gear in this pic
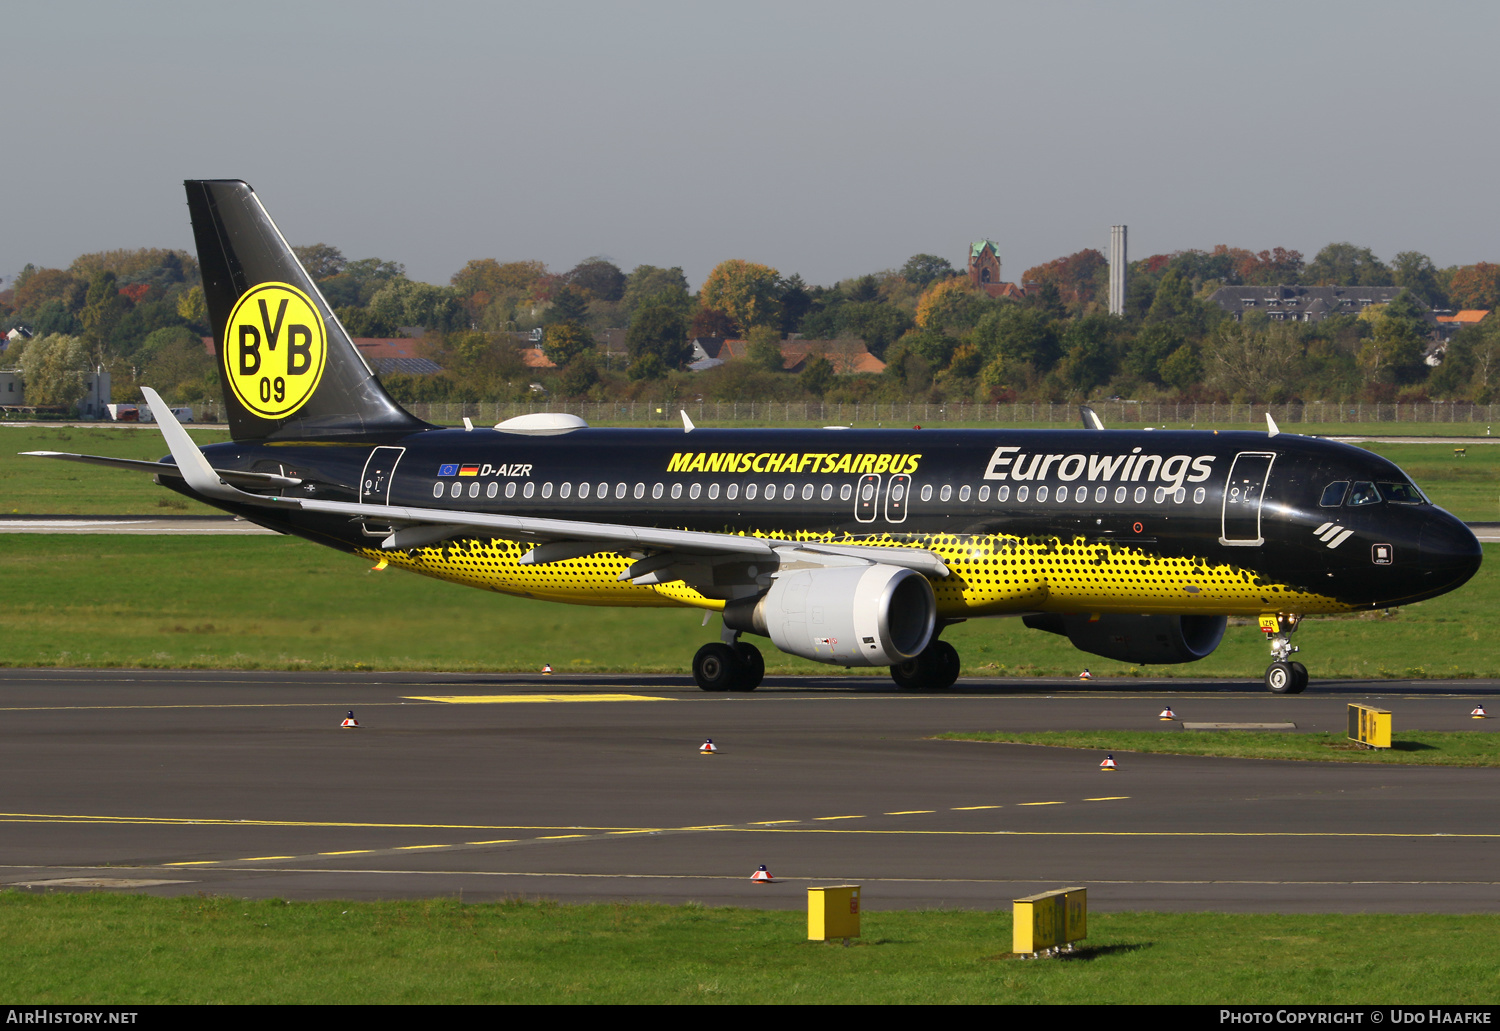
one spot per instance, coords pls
(1283, 676)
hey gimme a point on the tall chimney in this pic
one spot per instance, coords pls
(1117, 270)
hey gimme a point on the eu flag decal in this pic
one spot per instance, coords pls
(448, 470)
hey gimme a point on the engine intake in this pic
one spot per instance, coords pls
(1153, 640)
(867, 615)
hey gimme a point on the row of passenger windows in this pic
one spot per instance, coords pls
(789, 492)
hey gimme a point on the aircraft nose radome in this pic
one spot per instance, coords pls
(1449, 549)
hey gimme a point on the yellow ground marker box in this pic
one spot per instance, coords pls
(833, 912)
(1049, 920)
(1370, 727)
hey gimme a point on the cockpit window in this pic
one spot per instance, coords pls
(1333, 494)
(1401, 493)
(1363, 493)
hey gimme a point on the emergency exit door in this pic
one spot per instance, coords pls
(1242, 498)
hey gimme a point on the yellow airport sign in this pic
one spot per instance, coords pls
(1049, 920)
(1370, 727)
(833, 912)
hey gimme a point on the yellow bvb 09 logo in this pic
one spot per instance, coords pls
(275, 348)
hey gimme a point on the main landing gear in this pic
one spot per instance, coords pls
(1283, 676)
(934, 669)
(729, 665)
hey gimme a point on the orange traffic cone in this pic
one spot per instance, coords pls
(546, 669)
(762, 876)
(708, 747)
(1085, 675)
(1167, 714)
(1479, 713)
(1108, 765)
(350, 721)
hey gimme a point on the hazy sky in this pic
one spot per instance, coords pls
(830, 139)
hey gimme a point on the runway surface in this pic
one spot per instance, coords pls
(593, 788)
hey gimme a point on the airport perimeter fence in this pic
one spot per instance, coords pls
(1114, 413)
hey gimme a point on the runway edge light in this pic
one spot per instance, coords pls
(1108, 765)
(762, 876)
(350, 723)
(708, 747)
(1479, 713)
(1167, 714)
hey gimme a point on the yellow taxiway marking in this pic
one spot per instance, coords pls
(188, 821)
(1108, 798)
(498, 699)
(497, 841)
(966, 808)
(910, 812)
(257, 859)
(408, 848)
(772, 823)
(838, 817)
(196, 862)
(1040, 803)
(557, 837)
(350, 852)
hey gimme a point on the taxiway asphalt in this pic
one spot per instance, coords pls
(593, 788)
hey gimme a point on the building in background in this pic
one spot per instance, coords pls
(984, 270)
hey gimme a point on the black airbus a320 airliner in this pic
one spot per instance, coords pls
(850, 547)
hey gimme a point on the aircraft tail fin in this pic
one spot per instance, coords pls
(289, 369)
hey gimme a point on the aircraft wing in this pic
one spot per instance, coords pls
(167, 469)
(662, 555)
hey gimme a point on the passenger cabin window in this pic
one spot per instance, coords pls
(1363, 493)
(713, 491)
(1333, 494)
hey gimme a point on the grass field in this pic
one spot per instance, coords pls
(1480, 747)
(1469, 487)
(283, 603)
(126, 949)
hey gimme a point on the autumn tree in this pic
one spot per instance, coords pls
(657, 332)
(923, 269)
(1253, 361)
(1472, 286)
(747, 292)
(1077, 276)
(495, 278)
(599, 278)
(1415, 271)
(565, 342)
(817, 375)
(54, 368)
(663, 285)
(1344, 264)
(763, 348)
(320, 260)
(948, 302)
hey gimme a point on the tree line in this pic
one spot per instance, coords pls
(141, 314)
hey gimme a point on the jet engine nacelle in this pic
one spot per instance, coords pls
(1141, 639)
(866, 615)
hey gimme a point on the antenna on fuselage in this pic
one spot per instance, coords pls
(1271, 425)
(1091, 420)
(687, 424)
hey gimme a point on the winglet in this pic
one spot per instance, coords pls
(190, 461)
(687, 424)
(1271, 425)
(1091, 420)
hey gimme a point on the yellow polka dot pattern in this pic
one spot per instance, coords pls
(989, 574)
